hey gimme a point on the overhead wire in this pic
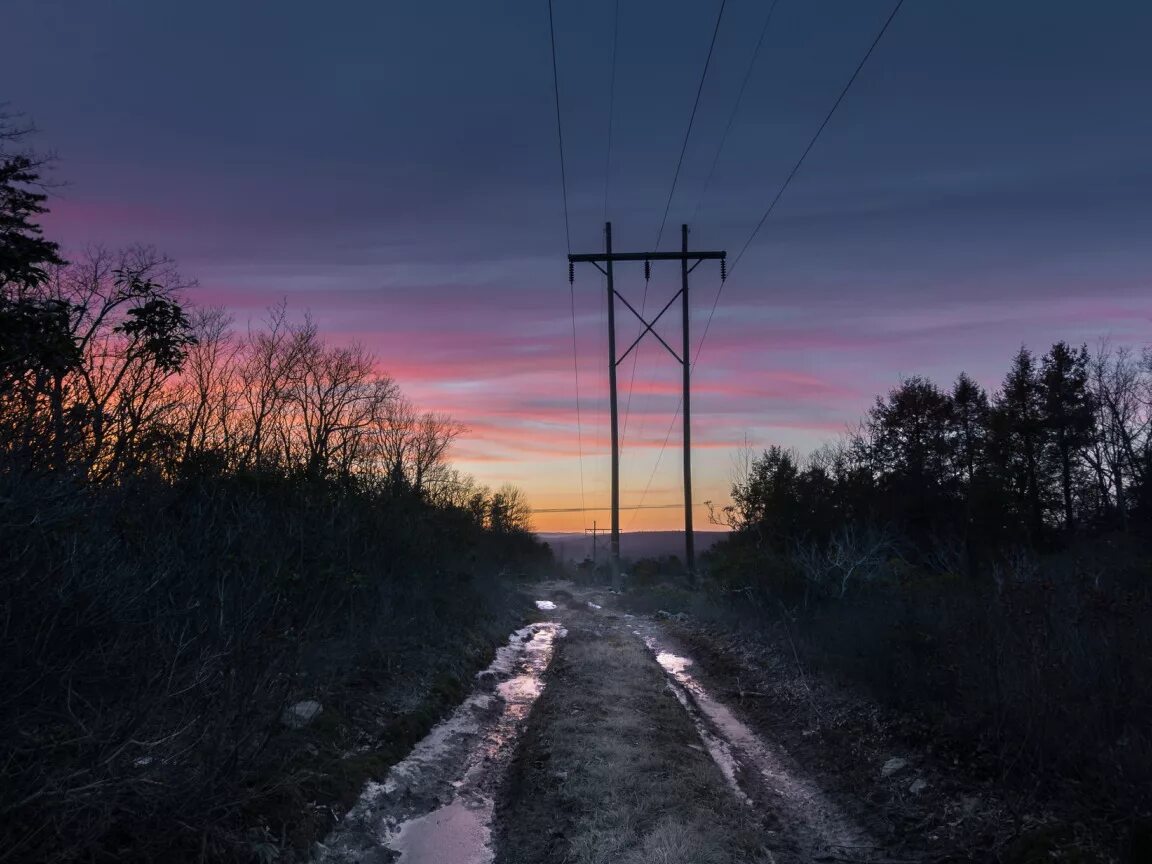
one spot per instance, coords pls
(768, 212)
(671, 195)
(602, 509)
(735, 110)
(691, 121)
(703, 194)
(608, 164)
(812, 143)
(568, 240)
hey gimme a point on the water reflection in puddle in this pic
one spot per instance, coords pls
(436, 806)
(746, 760)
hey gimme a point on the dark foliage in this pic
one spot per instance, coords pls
(198, 529)
(982, 560)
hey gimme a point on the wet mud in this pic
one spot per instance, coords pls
(760, 774)
(436, 805)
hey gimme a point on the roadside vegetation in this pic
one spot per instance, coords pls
(238, 573)
(979, 560)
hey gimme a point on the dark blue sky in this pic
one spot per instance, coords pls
(393, 167)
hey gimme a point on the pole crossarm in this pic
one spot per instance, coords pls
(595, 257)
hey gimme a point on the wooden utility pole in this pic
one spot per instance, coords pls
(608, 258)
(594, 531)
(615, 541)
(686, 413)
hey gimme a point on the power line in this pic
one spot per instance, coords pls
(703, 193)
(559, 127)
(691, 120)
(602, 509)
(672, 192)
(576, 374)
(735, 110)
(764, 218)
(796, 168)
(611, 116)
(568, 241)
(816, 137)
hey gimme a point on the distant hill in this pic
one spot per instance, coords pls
(633, 544)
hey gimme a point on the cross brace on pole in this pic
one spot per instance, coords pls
(608, 258)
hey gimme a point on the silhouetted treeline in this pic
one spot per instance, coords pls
(200, 526)
(1063, 446)
(982, 557)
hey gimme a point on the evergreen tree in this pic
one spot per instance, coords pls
(25, 254)
(1020, 437)
(908, 438)
(968, 427)
(1069, 413)
(37, 347)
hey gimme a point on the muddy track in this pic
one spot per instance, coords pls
(435, 806)
(625, 717)
(612, 767)
(813, 826)
(594, 738)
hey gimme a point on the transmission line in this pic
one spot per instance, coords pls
(812, 143)
(568, 241)
(691, 120)
(601, 509)
(768, 212)
(799, 163)
(735, 111)
(671, 194)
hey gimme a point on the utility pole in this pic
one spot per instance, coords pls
(593, 531)
(684, 256)
(615, 541)
(686, 412)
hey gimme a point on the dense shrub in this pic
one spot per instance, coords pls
(154, 632)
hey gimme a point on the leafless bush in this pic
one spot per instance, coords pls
(852, 555)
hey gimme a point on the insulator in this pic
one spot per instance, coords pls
(647, 270)
(571, 273)
(723, 269)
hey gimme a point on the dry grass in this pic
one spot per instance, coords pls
(611, 770)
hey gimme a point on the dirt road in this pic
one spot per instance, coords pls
(590, 739)
(599, 737)
(628, 757)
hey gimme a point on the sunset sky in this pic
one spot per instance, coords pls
(393, 168)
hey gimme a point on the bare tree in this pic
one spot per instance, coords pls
(207, 394)
(508, 510)
(853, 554)
(1118, 457)
(265, 372)
(336, 398)
(127, 324)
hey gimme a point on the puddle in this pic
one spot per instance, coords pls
(753, 768)
(436, 805)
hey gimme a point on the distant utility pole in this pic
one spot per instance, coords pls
(608, 258)
(594, 531)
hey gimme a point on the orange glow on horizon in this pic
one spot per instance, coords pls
(663, 519)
